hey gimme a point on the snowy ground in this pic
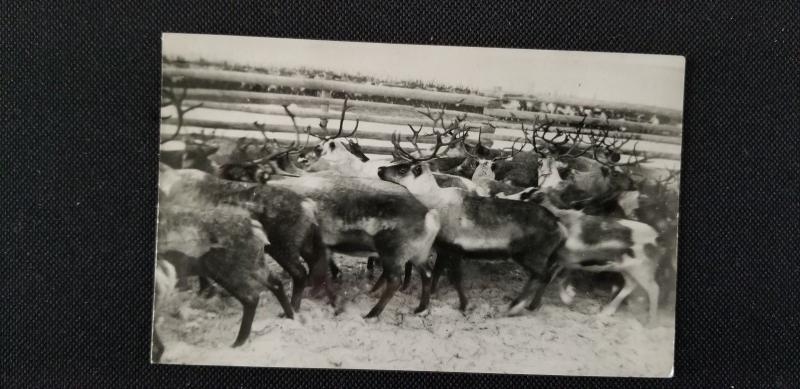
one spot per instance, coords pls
(556, 339)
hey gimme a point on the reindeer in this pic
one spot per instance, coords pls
(227, 246)
(605, 190)
(597, 189)
(603, 244)
(288, 218)
(365, 217)
(164, 283)
(340, 153)
(253, 162)
(343, 157)
(474, 226)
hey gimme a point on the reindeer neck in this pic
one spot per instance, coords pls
(552, 178)
(428, 192)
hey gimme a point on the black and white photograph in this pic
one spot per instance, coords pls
(349, 205)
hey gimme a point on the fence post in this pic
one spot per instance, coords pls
(323, 122)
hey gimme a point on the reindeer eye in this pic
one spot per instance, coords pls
(403, 170)
(333, 146)
(417, 170)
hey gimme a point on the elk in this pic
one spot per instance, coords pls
(474, 226)
(226, 245)
(603, 244)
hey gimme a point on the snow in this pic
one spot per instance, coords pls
(556, 339)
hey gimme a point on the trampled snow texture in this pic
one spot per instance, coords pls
(80, 112)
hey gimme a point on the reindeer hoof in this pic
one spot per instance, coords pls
(534, 306)
(515, 308)
(296, 306)
(607, 312)
(567, 295)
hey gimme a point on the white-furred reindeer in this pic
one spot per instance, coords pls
(600, 244)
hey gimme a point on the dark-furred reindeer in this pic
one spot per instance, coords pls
(481, 227)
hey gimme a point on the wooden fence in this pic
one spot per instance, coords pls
(660, 143)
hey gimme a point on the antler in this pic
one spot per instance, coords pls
(454, 131)
(600, 140)
(295, 146)
(345, 108)
(177, 101)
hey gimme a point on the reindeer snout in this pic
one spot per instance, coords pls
(381, 171)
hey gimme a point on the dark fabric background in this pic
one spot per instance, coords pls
(79, 118)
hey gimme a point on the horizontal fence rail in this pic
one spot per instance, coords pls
(246, 97)
(627, 148)
(329, 85)
(656, 142)
(607, 105)
(322, 114)
(644, 128)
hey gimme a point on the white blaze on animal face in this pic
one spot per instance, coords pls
(484, 169)
(412, 176)
(548, 172)
(629, 202)
(335, 150)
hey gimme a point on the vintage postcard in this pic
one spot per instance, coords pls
(405, 207)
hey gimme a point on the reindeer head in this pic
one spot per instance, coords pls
(337, 148)
(200, 146)
(560, 148)
(412, 170)
(415, 176)
(485, 168)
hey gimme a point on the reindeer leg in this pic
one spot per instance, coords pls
(320, 278)
(565, 290)
(158, 346)
(537, 282)
(645, 277)
(456, 277)
(379, 284)
(425, 298)
(276, 287)
(438, 267)
(249, 305)
(630, 286)
(335, 272)
(291, 264)
(552, 273)
(371, 266)
(391, 272)
(407, 276)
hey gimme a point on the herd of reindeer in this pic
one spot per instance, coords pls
(560, 202)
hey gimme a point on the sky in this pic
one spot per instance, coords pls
(619, 77)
